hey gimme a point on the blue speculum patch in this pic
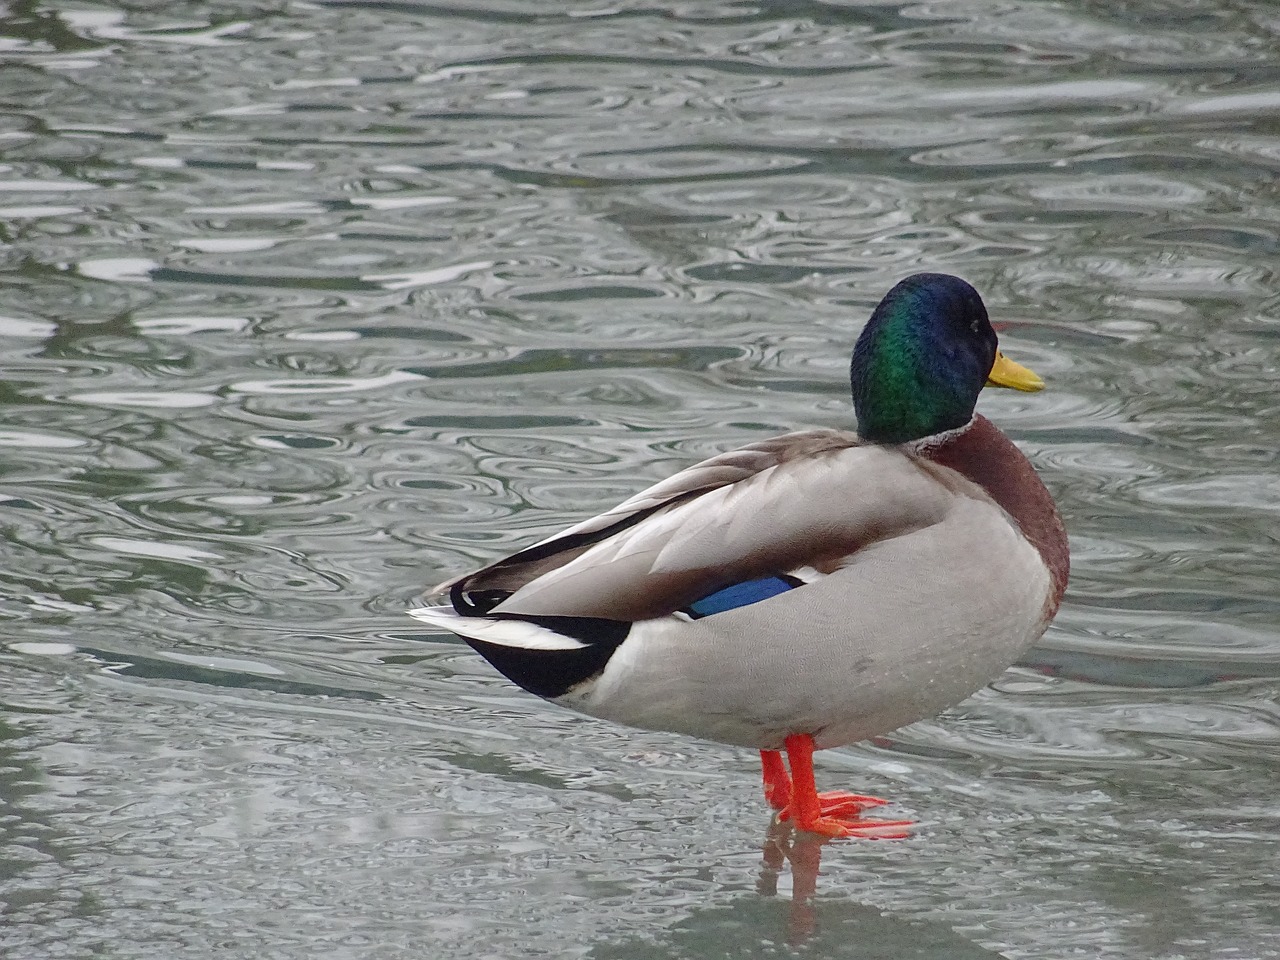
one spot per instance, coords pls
(740, 595)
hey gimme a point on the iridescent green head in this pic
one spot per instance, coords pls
(923, 358)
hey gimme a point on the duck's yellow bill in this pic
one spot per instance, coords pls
(1006, 373)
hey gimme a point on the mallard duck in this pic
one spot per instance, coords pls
(807, 591)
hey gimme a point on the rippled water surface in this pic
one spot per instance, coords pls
(308, 305)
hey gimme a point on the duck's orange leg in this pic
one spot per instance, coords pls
(833, 814)
(777, 791)
(777, 782)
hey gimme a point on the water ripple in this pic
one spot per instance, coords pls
(343, 300)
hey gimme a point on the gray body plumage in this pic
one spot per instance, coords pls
(917, 588)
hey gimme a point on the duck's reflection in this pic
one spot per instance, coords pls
(832, 927)
(784, 843)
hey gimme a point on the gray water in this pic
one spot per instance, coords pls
(307, 306)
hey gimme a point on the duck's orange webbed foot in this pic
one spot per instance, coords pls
(835, 813)
(864, 828)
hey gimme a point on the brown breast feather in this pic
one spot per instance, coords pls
(990, 459)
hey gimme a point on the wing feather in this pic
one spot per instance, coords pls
(811, 499)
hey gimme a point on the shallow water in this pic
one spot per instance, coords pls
(309, 305)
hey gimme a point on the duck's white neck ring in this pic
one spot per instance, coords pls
(925, 444)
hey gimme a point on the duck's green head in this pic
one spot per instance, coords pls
(923, 358)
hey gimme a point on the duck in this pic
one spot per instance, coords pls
(807, 591)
